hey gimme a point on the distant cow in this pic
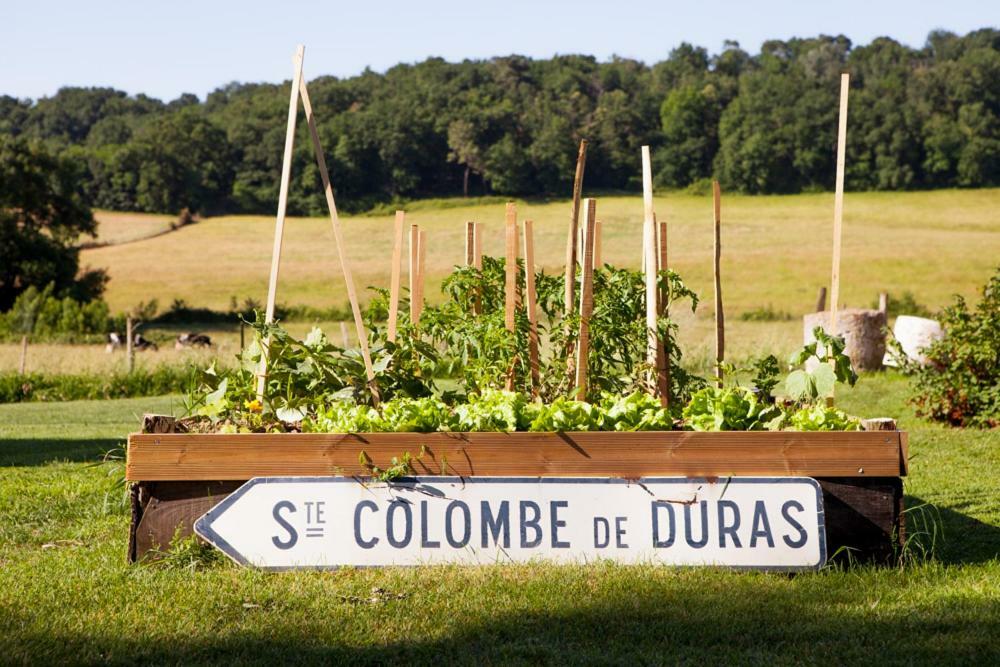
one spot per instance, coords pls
(115, 340)
(192, 340)
(140, 343)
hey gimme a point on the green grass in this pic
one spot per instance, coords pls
(66, 594)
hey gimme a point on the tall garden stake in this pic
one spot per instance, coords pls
(569, 296)
(338, 236)
(657, 361)
(395, 270)
(720, 318)
(279, 223)
(510, 284)
(531, 305)
(838, 205)
(586, 297)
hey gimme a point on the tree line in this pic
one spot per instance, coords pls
(760, 123)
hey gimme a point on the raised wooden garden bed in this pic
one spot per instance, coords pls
(180, 476)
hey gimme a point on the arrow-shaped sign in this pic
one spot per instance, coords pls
(326, 522)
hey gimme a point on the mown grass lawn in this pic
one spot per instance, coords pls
(66, 594)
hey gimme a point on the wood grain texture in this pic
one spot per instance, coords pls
(655, 357)
(720, 318)
(477, 262)
(531, 304)
(189, 456)
(586, 298)
(395, 271)
(510, 266)
(838, 199)
(569, 295)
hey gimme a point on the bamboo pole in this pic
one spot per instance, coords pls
(838, 206)
(397, 256)
(654, 358)
(821, 300)
(345, 265)
(720, 318)
(414, 262)
(531, 305)
(586, 298)
(279, 223)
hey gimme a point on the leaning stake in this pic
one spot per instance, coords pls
(338, 236)
(569, 296)
(530, 302)
(279, 223)
(838, 206)
(655, 360)
(510, 284)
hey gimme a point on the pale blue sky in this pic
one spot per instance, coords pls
(174, 46)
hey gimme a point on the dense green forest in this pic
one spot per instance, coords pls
(919, 118)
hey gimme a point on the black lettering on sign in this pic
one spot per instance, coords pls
(601, 524)
(390, 532)
(726, 528)
(761, 525)
(449, 525)
(532, 523)
(361, 542)
(425, 540)
(557, 524)
(493, 525)
(703, 540)
(803, 536)
(669, 542)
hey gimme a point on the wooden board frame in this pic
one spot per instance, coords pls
(202, 457)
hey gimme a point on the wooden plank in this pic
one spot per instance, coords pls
(531, 305)
(414, 262)
(586, 298)
(186, 456)
(720, 318)
(396, 269)
(838, 200)
(654, 358)
(338, 235)
(279, 223)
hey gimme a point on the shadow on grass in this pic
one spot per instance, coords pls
(660, 624)
(955, 538)
(42, 451)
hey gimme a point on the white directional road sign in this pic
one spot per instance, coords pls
(773, 523)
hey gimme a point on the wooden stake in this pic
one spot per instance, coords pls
(821, 300)
(397, 257)
(359, 324)
(279, 223)
(414, 266)
(720, 318)
(838, 201)
(531, 305)
(477, 263)
(586, 298)
(470, 243)
(883, 303)
(569, 296)
(22, 367)
(597, 245)
(129, 345)
(569, 300)
(510, 286)
(661, 260)
(344, 336)
(421, 271)
(838, 206)
(654, 358)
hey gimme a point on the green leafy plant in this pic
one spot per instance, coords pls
(961, 384)
(728, 409)
(833, 366)
(822, 418)
(637, 411)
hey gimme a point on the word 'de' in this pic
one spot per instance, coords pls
(322, 522)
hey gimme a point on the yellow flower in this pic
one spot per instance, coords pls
(253, 406)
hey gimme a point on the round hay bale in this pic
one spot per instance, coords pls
(861, 328)
(914, 334)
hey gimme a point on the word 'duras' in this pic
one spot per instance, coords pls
(321, 522)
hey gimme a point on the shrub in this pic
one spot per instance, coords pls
(51, 318)
(16, 388)
(961, 384)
